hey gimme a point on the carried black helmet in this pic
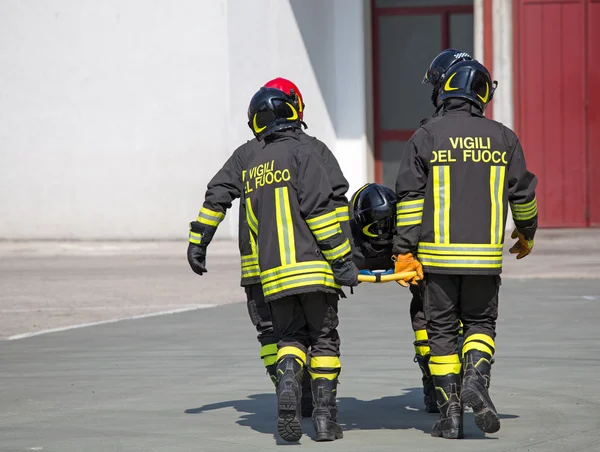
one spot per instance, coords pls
(439, 67)
(374, 211)
(271, 110)
(469, 80)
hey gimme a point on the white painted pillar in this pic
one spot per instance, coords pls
(350, 117)
(502, 33)
(478, 47)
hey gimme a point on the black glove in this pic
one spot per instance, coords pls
(345, 272)
(196, 255)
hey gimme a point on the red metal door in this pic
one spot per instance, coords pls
(550, 99)
(593, 111)
(405, 40)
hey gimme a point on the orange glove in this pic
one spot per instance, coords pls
(523, 247)
(407, 263)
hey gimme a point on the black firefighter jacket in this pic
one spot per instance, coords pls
(458, 176)
(226, 186)
(292, 217)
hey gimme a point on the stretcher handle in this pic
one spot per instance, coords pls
(372, 277)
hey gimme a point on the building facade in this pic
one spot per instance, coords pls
(114, 115)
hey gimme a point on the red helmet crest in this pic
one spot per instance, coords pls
(290, 88)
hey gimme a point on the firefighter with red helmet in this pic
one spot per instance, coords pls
(226, 186)
(304, 259)
(458, 176)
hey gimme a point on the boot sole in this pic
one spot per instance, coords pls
(289, 426)
(486, 418)
(322, 437)
(448, 434)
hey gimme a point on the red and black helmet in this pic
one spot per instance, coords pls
(290, 88)
(272, 110)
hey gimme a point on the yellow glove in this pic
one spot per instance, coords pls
(407, 263)
(523, 247)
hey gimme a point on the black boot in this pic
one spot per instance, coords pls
(289, 395)
(307, 398)
(272, 372)
(476, 382)
(428, 388)
(325, 411)
(450, 424)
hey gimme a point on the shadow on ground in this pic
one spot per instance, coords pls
(400, 412)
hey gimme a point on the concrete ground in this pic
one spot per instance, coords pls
(192, 380)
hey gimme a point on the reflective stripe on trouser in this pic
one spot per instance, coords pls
(444, 365)
(292, 352)
(268, 354)
(328, 367)
(481, 342)
(421, 343)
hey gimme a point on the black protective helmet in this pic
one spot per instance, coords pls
(374, 211)
(439, 67)
(469, 80)
(271, 110)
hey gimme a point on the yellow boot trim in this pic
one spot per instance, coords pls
(328, 367)
(442, 392)
(481, 342)
(444, 365)
(327, 362)
(315, 375)
(269, 360)
(269, 349)
(422, 350)
(292, 351)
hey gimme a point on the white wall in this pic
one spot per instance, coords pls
(114, 115)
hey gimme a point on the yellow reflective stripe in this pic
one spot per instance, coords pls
(444, 365)
(299, 268)
(441, 203)
(484, 338)
(285, 227)
(524, 207)
(407, 204)
(269, 349)
(291, 351)
(250, 217)
(422, 350)
(421, 335)
(477, 346)
(326, 362)
(327, 232)
(250, 271)
(299, 281)
(342, 214)
(195, 238)
(358, 192)
(249, 260)
(409, 219)
(405, 210)
(270, 360)
(460, 261)
(322, 220)
(338, 251)
(210, 217)
(522, 212)
(497, 174)
(460, 250)
(315, 375)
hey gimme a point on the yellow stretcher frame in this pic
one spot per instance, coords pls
(383, 278)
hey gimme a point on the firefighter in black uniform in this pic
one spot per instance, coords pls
(222, 190)
(373, 222)
(304, 259)
(458, 176)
